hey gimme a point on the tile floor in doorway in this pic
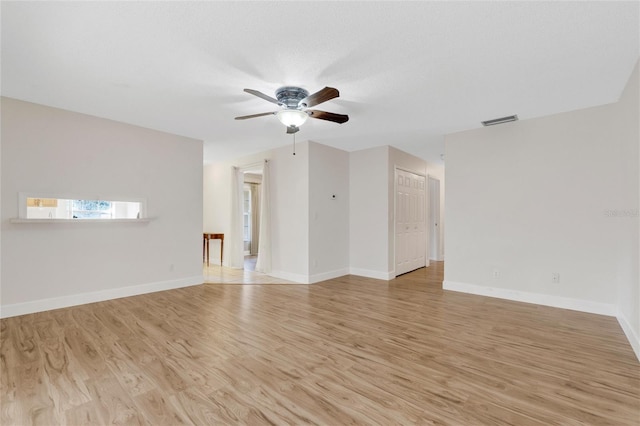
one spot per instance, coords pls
(216, 274)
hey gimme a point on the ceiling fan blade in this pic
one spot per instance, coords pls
(244, 117)
(329, 116)
(263, 96)
(319, 97)
(292, 129)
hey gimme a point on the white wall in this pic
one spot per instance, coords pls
(290, 213)
(369, 213)
(527, 199)
(48, 150)
(628, 125)
(329, 217)
(530, 198)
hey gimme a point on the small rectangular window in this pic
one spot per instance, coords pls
(83, 209)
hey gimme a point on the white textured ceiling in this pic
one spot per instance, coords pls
(408, 72)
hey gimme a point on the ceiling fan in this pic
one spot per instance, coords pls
(294, 103)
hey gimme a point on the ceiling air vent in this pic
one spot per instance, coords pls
(500, 120)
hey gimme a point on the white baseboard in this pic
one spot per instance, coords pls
(41, 305)
(289, 276)
(378, 275)
(312, 279)
(536, 298)
(309, 279)
(328, 275)
(632, 337)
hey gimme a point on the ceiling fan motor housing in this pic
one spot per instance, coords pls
(290, 96)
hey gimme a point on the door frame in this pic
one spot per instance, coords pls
(434, 199)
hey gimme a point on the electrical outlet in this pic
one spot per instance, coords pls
(496, 273)
(555, 277)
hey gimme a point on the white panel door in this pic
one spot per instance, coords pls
(410, 221)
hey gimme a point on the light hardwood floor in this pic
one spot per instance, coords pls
(346, 351)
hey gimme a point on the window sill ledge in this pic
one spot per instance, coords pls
(142, 220)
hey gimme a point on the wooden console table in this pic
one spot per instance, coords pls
(205, 245)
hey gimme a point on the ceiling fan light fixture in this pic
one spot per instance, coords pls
(292, 117)
(294, 102)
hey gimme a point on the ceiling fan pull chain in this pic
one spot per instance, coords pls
(294, 144)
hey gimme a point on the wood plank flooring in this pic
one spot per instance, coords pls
(346, 351)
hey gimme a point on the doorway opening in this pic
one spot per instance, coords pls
(249, 230)
(250, 221)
